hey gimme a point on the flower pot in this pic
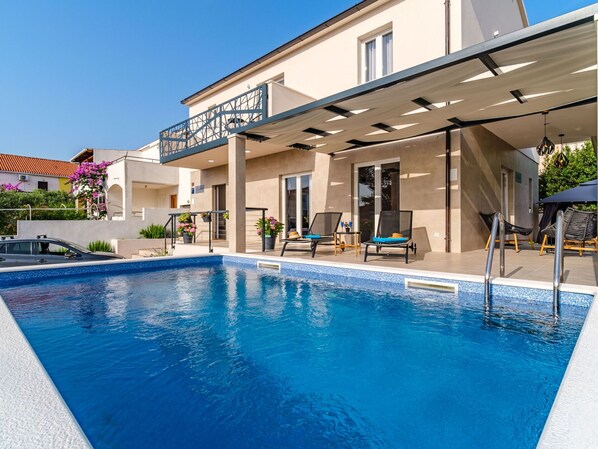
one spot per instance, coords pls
(207, 218)
(270, 241)
(187, 238)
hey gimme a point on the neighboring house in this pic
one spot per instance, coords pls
(377, 109)
(136, 180)
(33, 173)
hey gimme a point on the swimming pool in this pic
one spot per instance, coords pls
(229, 356)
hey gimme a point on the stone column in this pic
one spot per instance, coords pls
(235, 194)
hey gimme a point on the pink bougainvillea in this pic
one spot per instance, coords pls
(8, 187)
(88, 183)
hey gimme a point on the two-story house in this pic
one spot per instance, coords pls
(425, 105)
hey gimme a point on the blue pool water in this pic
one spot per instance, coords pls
(222, 357)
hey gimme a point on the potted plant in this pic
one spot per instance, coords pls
(186, 228)
(206, 217)
(272, 227)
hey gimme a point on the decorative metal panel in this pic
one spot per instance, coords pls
(210, 128)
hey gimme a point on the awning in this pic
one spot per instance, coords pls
(586, 192)
(548, 66)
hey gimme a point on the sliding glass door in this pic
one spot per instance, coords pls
(296, 202)
(376, 189)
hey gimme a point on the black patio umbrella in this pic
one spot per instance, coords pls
(584, 193)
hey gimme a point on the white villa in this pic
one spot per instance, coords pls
(378, 110)
(137, 181)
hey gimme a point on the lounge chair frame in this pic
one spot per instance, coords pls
(323, 224)
(392, 221)
(509, 229)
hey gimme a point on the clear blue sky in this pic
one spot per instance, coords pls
(111, 73)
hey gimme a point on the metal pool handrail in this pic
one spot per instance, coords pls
(557, 277)
(498, 227)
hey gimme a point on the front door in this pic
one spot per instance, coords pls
(219, 203)
(376, 189)
(296, 203)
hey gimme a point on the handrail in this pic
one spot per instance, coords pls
(557, 277)
(498, 227)
(211, 213)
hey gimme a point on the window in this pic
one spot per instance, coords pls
(279, 79)
(296, 202)
(42, 185)
(376, 56)
(18, 248)
(50, 249)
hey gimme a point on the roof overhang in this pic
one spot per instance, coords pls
(549, 66)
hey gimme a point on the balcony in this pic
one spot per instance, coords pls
(211, 128)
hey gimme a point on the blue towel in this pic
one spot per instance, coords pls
(312, 236)
(389, 239)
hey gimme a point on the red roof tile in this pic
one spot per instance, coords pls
(36, 166)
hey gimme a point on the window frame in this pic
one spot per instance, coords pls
(378, 38)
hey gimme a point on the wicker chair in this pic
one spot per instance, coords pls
(579, 230)
(509, 229)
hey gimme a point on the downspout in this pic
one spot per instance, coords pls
(447, 157)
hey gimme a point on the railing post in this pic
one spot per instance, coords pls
(263, 231)
(502, 245)
(488, 272)
(210, 249)
(557, 277)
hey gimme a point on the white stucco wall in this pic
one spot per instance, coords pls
(31, 184)
(481, 18)
(330, 63)
(85, 231)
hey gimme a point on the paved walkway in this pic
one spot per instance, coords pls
(527, 264)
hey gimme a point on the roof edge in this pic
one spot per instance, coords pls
(572, 19)
(302, 37)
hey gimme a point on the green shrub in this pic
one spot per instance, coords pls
(35, 199)
(100, 245)
(153, 231)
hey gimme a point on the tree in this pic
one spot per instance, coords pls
(582, 167)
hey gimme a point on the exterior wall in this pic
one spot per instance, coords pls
(336, 53)
(422, 184)
(54, 183)
(483, 156)
(481, 18)
(85, 231)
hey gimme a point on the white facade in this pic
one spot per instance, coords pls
(29, 183)
(137, 181)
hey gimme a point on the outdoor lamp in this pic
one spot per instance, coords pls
(546, 147)
(561, 160)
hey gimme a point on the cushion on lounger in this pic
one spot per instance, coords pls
(389, 239)
(313, 236)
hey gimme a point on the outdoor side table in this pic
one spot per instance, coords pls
(344, 240)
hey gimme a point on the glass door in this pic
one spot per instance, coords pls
(504, 194)
(219, 203)
(296, 203)
(377, 188)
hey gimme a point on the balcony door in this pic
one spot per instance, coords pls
(376, 189)
(296, 202)
(219, 203)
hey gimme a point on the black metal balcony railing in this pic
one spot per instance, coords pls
(210, 128)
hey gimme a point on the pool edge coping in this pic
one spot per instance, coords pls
(30, 398)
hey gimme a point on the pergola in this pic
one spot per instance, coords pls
(503, 84)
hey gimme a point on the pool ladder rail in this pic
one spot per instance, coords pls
(498, 230)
